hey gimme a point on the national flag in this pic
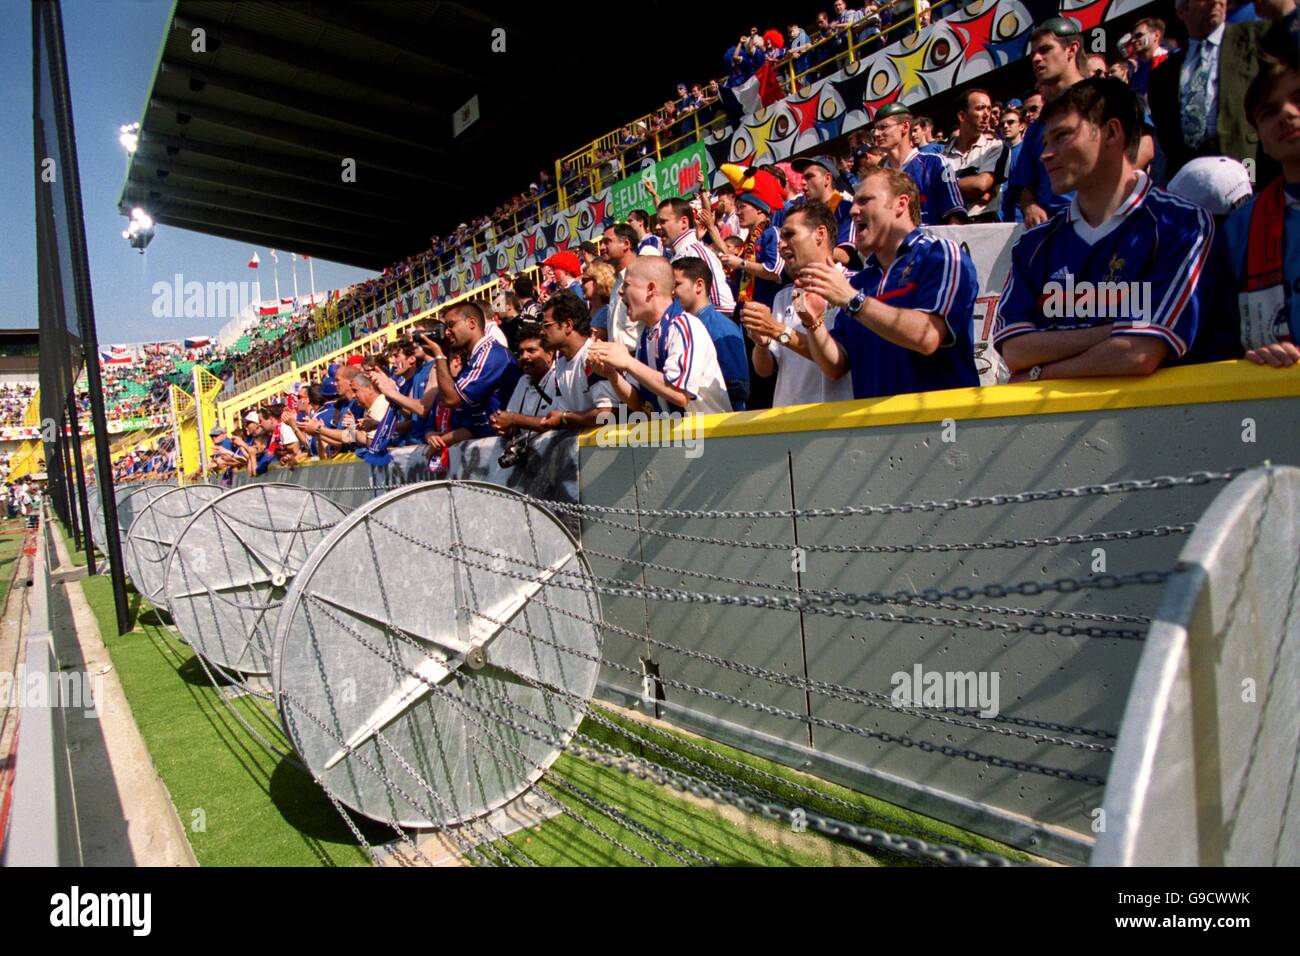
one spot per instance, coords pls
(113, 356)
(761, 89)
(198, 342)
(252, 263)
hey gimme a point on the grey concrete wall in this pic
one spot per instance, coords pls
(1076, 681)
(42, 826)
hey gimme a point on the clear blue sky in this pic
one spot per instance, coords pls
(112, 47)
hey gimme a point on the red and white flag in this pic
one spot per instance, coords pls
(252, 263)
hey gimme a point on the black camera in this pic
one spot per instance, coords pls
(518, 448)
(435, 330)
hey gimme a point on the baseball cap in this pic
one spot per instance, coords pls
(1014, 104)
(825, 162)
(328, 389)
(252, 417)
(1216, 183)
(216, 430)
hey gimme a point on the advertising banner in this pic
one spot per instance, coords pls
(679, 174)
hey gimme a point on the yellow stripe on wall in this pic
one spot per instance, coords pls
(1233, 381)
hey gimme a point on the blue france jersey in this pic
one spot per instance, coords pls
(936, 184)
(929, 274)
(767, 253)
(847, 231)
(1237, 231)
(484, 384)
(415, 388)
(1140, 269)
(729, 342)
(1030, 171)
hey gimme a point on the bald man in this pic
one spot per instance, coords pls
(676, 366)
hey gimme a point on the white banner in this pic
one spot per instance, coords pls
(989, 245)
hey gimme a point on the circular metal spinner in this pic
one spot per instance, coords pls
(153, 532)
(131, 501)
(95, 506)
(429, 666)
(226, 575)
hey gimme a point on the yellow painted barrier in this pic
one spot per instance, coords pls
(1233, 381)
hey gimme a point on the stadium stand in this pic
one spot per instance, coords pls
(826, 64)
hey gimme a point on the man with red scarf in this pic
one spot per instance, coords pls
(758, 195)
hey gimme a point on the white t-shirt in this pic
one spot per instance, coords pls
(621, 328)
(378, 409)
(798, 380)
(690, 362)
(529, 400)
(493, 331)
(574, 390)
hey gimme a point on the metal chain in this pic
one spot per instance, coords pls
(817, 602)
(297, 529)
(887, 737)
(842, 692)
(951, 504)
(722, 779)
(907, 846)
(911, 847)
(468, 848)
(914, 602)
(1160, 531)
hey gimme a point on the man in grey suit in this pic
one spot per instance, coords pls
(1196, 95)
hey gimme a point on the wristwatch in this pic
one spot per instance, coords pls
(784, 337)
(856, 303)
(1035, 373)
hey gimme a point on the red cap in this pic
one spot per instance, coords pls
(356, 359)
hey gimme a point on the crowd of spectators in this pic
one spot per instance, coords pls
(147, 463)
(14, 399)
(814, 281)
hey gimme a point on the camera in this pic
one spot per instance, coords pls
(518, 448)
(436, 330)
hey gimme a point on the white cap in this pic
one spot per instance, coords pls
(1216, 183)
(252, 417)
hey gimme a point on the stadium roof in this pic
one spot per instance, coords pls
(244, 136)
